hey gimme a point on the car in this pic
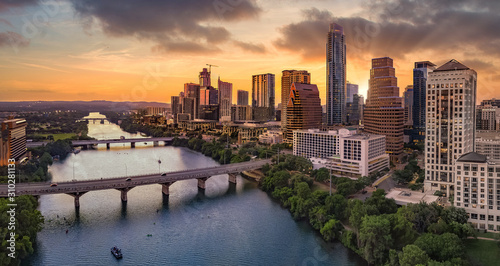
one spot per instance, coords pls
(128, 179)
(53, 185)
(164, 174)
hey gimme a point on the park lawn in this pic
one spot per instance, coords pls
(487, 235)
(482, 252)
(59, 136)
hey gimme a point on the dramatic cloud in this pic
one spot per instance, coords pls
(13, 40)
(251, 47)
(6, 4)
(175, 26)
(401, 27)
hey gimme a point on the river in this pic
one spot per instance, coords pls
(226, 224)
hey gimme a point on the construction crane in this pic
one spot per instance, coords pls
(210, 68)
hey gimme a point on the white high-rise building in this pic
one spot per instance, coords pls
(478, 180)
(450, 123)
(345, 152)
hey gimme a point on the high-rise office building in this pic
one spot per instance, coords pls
(208, 96)
(242, 97)
(192, 90)
(303, 109)
(384, 114)
(13, 141)
(176, 106)
(205, 80)
(225, 100)
(263, 97)
(351, 89)
(450, 123)
(354, 110)
(241, 113)
(335, 75)
(408, 105)
(189, 108)
(288, 77)
(420, 75)
(487, 117)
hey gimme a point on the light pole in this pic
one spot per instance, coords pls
(330, 181)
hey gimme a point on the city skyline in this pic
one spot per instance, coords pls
(76, 51)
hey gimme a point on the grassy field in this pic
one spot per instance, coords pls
(487, 235)
(58, 136)
(482, 252)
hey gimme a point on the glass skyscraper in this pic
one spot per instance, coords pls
(335, 75)
(420, 74)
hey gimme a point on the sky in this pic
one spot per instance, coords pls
(133, 50)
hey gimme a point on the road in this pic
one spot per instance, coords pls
(121, 182)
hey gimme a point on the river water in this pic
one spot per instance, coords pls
(226, 224)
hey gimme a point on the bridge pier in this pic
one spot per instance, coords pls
(132, 144)
(165, 188)
(201, 182)
(155, 143)
(124, 193)
(77, 196)
(108, 146)
(232, 178)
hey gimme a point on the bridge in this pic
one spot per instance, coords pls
(78, 188)
(88, 144)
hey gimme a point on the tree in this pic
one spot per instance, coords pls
(381, 203)
(454, 214)
(321, 174)
(28, 223)
(412, 255)
(336, 204)
(331, 230)
(302, 190)
(441, 247)
(375, 238)
(318, 217)
(402, 231)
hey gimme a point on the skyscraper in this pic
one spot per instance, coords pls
(420, 74)
(175, 105)
(263, 97)
(384, 114)
(242, 97)
(205, 80)
(303, 109)
(208, 95)
(288, 77)
(335, 75)
(450, 123)
(351, 89)
(408, 105)
(225, 100)
(192, 90)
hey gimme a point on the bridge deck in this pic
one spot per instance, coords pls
(120, 182)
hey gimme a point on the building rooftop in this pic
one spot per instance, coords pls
(404, 197)
(472, 157)
(487, 135)
(452, 65)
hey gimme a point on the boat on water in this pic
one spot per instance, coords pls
(116, 252)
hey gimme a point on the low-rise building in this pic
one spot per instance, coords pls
(271, 137)
(477, 190)
(197, 124)
(345, 151)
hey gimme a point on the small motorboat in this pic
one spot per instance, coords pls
(116, 252)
